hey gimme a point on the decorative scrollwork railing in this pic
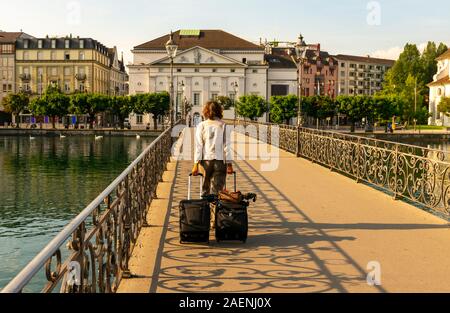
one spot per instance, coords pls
(417, 174)
(99, 241)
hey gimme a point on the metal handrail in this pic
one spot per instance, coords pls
(417, 174)
(53, 247)
(356, 138)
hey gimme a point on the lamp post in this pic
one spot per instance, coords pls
(298, 55)
(235, 86)
(183, 108)
(171, 49)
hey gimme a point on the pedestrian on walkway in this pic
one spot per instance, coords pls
(212, 151)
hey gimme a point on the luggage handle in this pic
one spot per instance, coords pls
(201, 185)
(235, 181)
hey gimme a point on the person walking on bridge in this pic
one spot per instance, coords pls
(212, 150)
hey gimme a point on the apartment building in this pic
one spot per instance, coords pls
(73, 64)
(361, 75)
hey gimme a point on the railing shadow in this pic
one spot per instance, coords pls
(280, 255)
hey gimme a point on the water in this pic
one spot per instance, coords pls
(46, 182)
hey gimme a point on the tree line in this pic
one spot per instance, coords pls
(282, 109)
(54, 104)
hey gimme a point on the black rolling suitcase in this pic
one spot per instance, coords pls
(232, 219)
(195, 218)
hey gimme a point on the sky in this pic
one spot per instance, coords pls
(358, 27)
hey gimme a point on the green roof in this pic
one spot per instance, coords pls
(190, 32)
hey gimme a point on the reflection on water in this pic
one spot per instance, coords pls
(46, 182)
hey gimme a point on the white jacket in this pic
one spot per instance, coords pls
(211, 143)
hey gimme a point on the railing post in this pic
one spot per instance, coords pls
(298, 142)
(127, 229)
(358, 161)
(396, 158)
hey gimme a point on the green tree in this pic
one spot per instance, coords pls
(251, 106)
(89, 104)
(428, 61)
(157, 104)
(408, 63)
(120, 106)
(283, 108)
(444, 106)
(385, 108)
(354, 107)
(16, 103)
(53, 104)
(226, 102)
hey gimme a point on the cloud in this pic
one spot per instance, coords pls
(394, 52)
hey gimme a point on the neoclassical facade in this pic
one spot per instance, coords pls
(209, 63)
(440, 88)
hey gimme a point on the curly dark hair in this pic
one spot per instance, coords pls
(213, 110)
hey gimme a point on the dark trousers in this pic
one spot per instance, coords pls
(215, 178)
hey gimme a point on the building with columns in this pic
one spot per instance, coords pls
(440, 88)
(208, 64)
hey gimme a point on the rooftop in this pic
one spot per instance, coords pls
(367, 59)
(208, 39)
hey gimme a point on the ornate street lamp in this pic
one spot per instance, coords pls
(235, 86)
(172, 49)
(298, 55)
(183, 108)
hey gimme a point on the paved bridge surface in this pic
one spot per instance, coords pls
(311, 230)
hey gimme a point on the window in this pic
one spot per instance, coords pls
(66, 55)
(244, 60)
(352, 65)
(342, 64)
(343, 73)
(214, 96)
(255, 71)
(233, 70)
(5, 88)
(81, 55)
(54, 71)
(67, 71)
(81, 44)
(40, 55)
(67, 86)
(196, 99)
(67, 44)
(53, 43)
(178, 70)
(280, 90)
(26, 55)
(40, 44)
(197, 70)
(53, 55)
(139, 119)
(25, 44)
(214, 70)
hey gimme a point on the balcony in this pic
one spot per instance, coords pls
(81, 77)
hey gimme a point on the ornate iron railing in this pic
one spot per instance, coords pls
(99, 241)
(417, 174)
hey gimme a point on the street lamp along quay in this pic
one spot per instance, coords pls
(172, 49)
(298, 55)
(235, 86)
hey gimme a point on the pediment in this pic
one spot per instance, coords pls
(200, 56)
